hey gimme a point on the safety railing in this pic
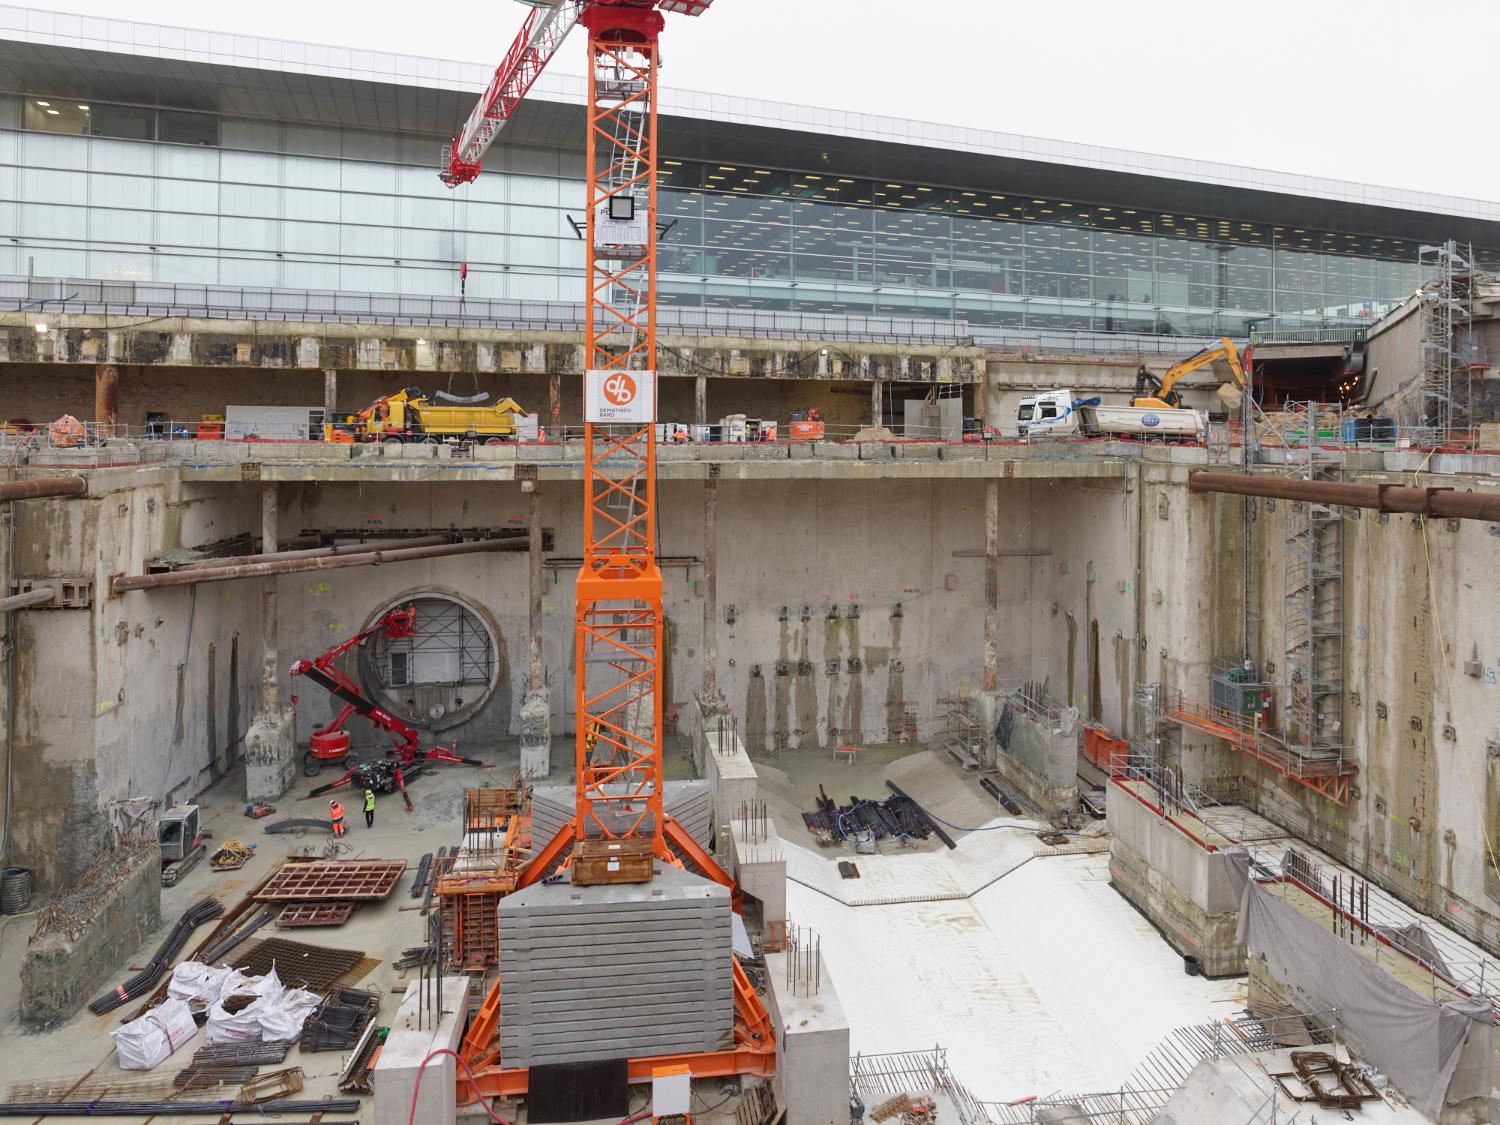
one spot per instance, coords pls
(1448, 966)
(162, 299)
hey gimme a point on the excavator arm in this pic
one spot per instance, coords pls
(1160, 391)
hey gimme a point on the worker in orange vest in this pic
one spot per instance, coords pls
(336, 815)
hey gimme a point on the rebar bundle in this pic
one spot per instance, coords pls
(339, 1020)
(230, 941)
(146, 979)
(893, 817)
(251, 1053)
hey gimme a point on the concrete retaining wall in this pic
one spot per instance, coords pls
(1191, 894)
(61, 973)
(1042, 764)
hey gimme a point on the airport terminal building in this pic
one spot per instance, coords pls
(135, 155)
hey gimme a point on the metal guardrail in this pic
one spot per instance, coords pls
(165, 299)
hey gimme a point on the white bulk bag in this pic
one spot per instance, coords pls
(282, 1018)
(144, 1043)
(197, 983)
(244, 1024)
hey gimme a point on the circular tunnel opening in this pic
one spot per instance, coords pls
(444, 672)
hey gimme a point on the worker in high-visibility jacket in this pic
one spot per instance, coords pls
(369, 808)
(336, 816)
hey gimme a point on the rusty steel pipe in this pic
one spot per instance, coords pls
(40, 596)
(127, 582)
(1445, 503)
(318, 552)
(44, 486)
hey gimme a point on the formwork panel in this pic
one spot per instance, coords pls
(314, 882)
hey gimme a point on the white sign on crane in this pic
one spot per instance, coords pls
(617, 396)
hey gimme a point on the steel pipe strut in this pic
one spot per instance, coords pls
(319, 552)
(127, 582)
(1445, 503)
(40, 596)
(43, 486)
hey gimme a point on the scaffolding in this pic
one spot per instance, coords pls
(1447, 312)
(963, 731)
(1313, 716)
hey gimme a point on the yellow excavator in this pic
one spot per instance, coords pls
(1159, 391)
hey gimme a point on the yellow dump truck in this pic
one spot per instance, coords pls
(410, 415)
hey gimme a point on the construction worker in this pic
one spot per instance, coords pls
(590, 740)
(369, 808)
(336, 815)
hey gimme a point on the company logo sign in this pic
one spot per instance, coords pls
(624, 397)
(619, 388)
(1150, 420)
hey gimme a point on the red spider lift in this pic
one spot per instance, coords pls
(330, 743)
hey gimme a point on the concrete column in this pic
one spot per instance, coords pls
(270, 695)
(710, 693)
(554, 404)
(877, 402)
(431, 1018)
(330, 396)
(271, 740)
(536, 703)
(700, 400)
(992, 586)
(107, 396)
(534, 548)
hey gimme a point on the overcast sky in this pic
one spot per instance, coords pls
(1322, 87)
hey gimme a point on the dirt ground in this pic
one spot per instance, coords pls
(380, 930)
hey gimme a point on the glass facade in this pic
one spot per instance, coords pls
(125, 193)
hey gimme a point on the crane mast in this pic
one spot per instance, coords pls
(618, 618)
(619, 591)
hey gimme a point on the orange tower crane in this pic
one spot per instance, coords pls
(619, 776)
(619, 588)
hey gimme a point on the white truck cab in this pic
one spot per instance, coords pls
(1051, 412)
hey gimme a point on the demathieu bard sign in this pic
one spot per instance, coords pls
(620, 396)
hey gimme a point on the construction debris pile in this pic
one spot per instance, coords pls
(897, 817)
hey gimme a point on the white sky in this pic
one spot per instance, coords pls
(1321, 87)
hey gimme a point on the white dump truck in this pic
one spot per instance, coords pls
(1061, 414)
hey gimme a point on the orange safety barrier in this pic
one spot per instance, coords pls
(1104, 750)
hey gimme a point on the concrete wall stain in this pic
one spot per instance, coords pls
(755, 714)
